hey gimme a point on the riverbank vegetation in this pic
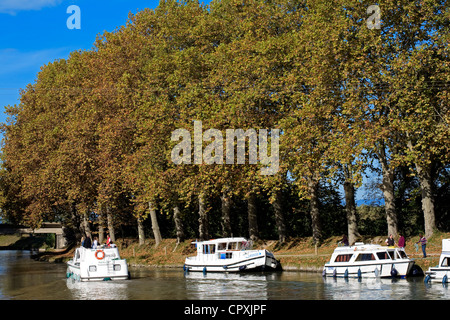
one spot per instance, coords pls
(295, 254)
(90, 144)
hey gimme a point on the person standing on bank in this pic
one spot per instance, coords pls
(344, 241)
(423, 242)
(401, 241)
(390, 241)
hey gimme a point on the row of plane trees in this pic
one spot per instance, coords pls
(94, 131)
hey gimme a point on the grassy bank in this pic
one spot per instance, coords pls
(298, 254)
(26, 242)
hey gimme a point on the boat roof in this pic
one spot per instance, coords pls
(233, 239)
(360, 246)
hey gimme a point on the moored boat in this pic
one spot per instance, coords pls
(441, 272)
(229, 255)
(368, 260)
(97, 264)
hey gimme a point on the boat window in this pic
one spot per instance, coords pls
(209, 248)
(402, 254)
(343, 257)
(225, 255)
(222, 246)
(392, 254)
(383, 255)
(233, 245)
(365, 257)
(445, 262)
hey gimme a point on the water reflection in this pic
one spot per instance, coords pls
(437, 290)
(25, 279)
(98, 290)
(380, 289)
(213, 286)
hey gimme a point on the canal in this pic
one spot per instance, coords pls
(22, 278)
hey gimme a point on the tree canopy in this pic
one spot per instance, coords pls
(91, 143)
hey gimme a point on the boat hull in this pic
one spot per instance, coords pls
(254, 261)
(441, 272)
(81, 273)
(369, 270)
(438, 275)
(97, 265)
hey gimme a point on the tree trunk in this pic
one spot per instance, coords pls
(101, 226)
(388, 192)
(77, 224)
(141, 233)
(155, 225)
(226, 218)
(350, 207)
(178, 223)
(279, 217)
(426, 189)
(86, 226)
(313, 186)
(109, 218)
(203, 218)
(252, 217)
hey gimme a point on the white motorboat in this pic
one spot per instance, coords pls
(441, 272)
(97, 265)
(229, 255)
(368, 260)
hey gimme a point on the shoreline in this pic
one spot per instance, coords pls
(296, 254)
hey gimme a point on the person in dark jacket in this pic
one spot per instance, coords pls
(390, 241)
(87, 242)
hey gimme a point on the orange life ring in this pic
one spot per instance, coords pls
(102, 254)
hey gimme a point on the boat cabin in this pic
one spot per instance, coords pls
(363, 252)
(223, 247)
(229, 255)
(380, 254)
(368, 260)
(444, 260)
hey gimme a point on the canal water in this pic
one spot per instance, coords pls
(22, 278)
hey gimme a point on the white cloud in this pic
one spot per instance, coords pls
(14, 6)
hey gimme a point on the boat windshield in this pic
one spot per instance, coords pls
(402, 254)
(234, 245)
(383, 255)
(392, 254)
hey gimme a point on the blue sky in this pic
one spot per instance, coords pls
(35, 32)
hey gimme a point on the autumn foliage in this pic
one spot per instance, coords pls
(90, 142)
